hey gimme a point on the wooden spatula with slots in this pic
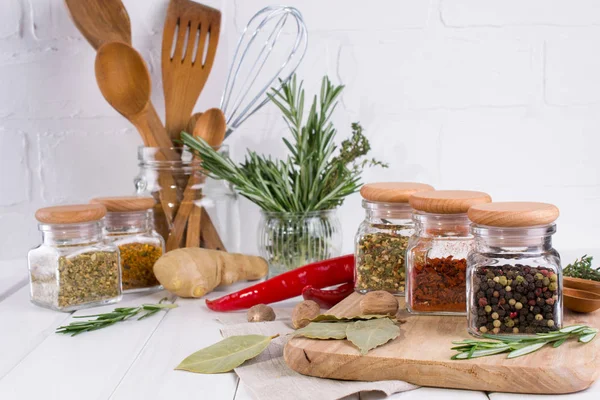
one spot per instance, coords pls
(189, 45)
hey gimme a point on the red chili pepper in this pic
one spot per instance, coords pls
(328, 298)
(290, 284)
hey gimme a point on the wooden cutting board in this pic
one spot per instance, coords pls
(421, 355)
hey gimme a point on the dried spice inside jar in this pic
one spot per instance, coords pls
(439, 285)
(380, 262)
(88, 277)
(515, 299)
(137, 263)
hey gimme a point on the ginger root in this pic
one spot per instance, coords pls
(194, 272)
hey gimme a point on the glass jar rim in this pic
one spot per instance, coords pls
(147, 155)
(297, 214)
(385, 206)
(483, 231)
(45, 227)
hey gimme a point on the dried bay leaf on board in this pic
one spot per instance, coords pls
(226, 355)
(324, 330)
(333, 318)
(367, 335)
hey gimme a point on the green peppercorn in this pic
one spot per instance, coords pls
(488, 309)
(510, 323)
(515, 330)
(512, 302)
(554, 277)
(495, 315)
(503, 281)
(550, 323)
(496, 330)
(483, 329)
(497, 279)
(539, 277)
(539, 317)
(546, 281)
(553, 286)
(518, 305)
(520, 279)
(508, 288)
(497, 324)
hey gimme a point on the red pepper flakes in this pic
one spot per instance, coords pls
(439, 285)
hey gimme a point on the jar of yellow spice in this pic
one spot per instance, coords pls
(382, 238)
(129, 225)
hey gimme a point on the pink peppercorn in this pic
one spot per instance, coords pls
(483, 302)
(513, 314)
(531, 302)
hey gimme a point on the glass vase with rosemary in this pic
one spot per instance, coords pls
(299, 194)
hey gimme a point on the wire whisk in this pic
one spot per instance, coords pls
(244, 96)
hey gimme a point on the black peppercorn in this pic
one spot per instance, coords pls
(547, 294)
(483, 286)
(497, 286)
(480, 295)
(531, 295)
(540, 302)
(539, 284)
(517, 296)
(494, 300)
(529, 278)
(501, 312)
(489, 292)
(529, 317)
(537, 310)
(509, 295)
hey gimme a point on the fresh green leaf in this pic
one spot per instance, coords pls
(587, 338)
(582, 268)
(480, 353)
(559, 342)
(367, 335)
(526, 350)
(225, 355)
(323, 330)
(329, 317)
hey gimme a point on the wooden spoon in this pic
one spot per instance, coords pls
(189, 45)
(101, 21)
(124, 81)
(580, 300)
(210, 127)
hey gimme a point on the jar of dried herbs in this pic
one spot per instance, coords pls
(382, 238)
(74, 267)
(437, 253)
(514, 277)
(129, 225)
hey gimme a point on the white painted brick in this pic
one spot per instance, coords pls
(343, 15)
(14, 170)
(466, 13)
(49, 19)
(12, 18)
(422, 72)
(18, 234)
(87, 164)
(572, 66)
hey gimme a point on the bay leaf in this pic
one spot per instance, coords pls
(333, 318)
(225, 355)
(324, 330)
(367, 335)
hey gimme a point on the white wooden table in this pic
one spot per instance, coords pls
(134, 360)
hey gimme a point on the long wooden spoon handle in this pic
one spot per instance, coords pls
(209, 233)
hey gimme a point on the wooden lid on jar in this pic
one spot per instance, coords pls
(447, 201)
(513, 214)
(125, 203)
(392, 192)
(72, 214)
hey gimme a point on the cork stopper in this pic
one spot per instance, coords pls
(513, 214)
(447, 201)
(392, 192)
(125, 203)
(72, 214)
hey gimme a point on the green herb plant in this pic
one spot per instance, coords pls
(120, 314)
(315, 176)
(582, 268)
(520, 345)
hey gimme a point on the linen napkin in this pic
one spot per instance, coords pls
(267, 376)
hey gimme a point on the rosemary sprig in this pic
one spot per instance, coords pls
(117, 315)
(315, 176)
(582, 268)
(520, 345)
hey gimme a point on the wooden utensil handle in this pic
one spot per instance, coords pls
(185, 209)
(194, 225)
(209, 234)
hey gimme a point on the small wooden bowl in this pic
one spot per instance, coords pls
(581, 300)
(582, 284)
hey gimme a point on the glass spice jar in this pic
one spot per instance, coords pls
(382, 238)
(74, 267)
(437, 252)
(514, 276)
(129, 225)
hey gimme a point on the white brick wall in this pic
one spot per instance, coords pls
(497, 95)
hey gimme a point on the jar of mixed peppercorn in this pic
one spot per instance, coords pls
(514, 277)
(437, 253)
(129, 225)
(383, 236)
(74, 267)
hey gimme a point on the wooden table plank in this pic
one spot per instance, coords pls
(13, 275)
(185, 330)
(591, 393)
(89, 366)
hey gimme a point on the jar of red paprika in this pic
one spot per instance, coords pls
(514, 277)
(382, 238)
(437, 253)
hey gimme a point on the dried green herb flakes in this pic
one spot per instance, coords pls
(380, 262)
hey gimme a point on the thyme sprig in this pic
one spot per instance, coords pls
(315, 176)
(582, 268)
(117, 315)
(520, 345)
